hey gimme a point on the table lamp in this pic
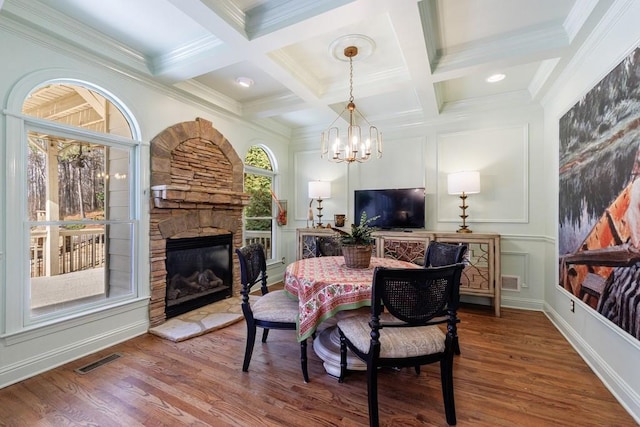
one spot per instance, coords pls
(319, 190)
(463, 184)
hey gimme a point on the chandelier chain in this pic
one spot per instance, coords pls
(350, 79)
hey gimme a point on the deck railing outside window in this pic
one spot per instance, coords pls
(84, 249)
(78, 250)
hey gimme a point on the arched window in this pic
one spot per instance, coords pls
(264, 210)
(78, 204)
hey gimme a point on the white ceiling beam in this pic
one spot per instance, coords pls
(530, 45)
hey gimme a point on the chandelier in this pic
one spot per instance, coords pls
(352, 148)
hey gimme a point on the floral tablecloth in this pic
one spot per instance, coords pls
(325, 286)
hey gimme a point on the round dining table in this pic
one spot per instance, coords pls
(324, 287)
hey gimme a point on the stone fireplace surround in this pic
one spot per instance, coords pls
(197, 189)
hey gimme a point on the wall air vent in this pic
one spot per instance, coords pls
(510, 283)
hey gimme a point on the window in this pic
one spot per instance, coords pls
(260, 214)
(79, 207)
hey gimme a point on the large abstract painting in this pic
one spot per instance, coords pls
(599, 205)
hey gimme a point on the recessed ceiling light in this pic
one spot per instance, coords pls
(496, 78)
(244, 81)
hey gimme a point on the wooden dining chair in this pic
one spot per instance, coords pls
(328, 246)
(442, 253)
(407, 308)
(272, 310)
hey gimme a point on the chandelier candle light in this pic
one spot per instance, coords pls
(354, 149)
(319, 190)
(463, 184)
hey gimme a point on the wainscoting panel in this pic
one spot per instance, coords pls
(502, 157)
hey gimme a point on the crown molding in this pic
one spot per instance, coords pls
(276, 127)
(204, 92)
(515, 99)
(80, 36)
(606, 24)
(366, 85)
(230, 13)
(431, 29)
(197, 49)
(544, 38)
(301, 75)
(578, 16)
(541, 77)
(274, 15)
(269, 105)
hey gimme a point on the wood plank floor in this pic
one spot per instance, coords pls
(513, 371)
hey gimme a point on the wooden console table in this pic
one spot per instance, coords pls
(481, 277)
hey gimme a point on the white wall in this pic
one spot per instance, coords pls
(611, 353)
(27, 57)
(504, 144)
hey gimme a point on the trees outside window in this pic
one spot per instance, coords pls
(259, 217)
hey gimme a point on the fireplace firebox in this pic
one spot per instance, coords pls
(199, 272)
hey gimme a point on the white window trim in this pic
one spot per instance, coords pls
(275, 181)
(16, 261)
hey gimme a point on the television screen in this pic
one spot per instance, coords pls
(397, 208)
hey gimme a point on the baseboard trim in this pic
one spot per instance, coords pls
(626, 396)
(32, 366)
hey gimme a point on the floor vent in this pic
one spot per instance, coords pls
(95, 365)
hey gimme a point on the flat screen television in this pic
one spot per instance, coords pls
(398, 208)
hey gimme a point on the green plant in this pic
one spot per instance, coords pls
(360, 234)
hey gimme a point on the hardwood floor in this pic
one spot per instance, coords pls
(516, 370)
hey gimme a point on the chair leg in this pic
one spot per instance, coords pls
(251, 340)
(456, 345)
(303, 360)
(265, 334)
(372, 392)
(446, 374)
(343, 358)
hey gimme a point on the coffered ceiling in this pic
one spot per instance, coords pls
(419, 61)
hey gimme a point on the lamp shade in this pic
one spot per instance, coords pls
(467, 182)
(319, 189)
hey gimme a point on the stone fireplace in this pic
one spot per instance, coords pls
(197, 191)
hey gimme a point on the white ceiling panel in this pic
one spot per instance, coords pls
(423, 54)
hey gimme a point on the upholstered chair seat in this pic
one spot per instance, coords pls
(275, 306)
(394, 342)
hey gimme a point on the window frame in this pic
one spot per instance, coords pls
(273, 174)
(18, 318)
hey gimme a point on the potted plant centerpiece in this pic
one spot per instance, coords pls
(357, 245)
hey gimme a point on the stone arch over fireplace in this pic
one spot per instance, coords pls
(197, 190)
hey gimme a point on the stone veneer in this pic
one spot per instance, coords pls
(197, 188)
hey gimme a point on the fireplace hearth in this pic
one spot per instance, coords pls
(199, 272)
